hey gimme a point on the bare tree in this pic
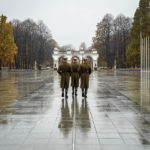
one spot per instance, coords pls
(111, 40)
(121, 38)
(102, 39)
(83, 46)
(66, 47)
(34, 42)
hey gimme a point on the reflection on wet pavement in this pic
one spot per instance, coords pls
(33, 116)
(145, 89)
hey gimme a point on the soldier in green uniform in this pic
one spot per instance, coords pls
(64, 70)
(75, 69)
(85, 71)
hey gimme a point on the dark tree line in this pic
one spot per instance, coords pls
(34, 42)
(141, 26)
(111, 40)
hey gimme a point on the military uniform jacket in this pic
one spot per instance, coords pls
(75, 70)
(65, 71)
(85, 71)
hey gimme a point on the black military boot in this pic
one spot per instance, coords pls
(82, 92)
(76, 92)
(62, 92)
(85, 94)
(66, 95)
(72, 91)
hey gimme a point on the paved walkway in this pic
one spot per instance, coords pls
(42, 120)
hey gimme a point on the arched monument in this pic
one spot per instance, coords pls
(90, 54)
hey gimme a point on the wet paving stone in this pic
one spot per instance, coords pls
(115, 147)
(88, 147)
(8, 147)
(111, 141)
(134, 141)
(59, 147)
(33, 147)
(108, 135)
(34, 116)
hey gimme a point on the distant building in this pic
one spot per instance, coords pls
(90, 54)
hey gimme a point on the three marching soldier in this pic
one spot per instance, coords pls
(76, 71)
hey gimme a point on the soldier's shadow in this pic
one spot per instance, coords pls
(85, 123)
(75, 108)
(65, 123)
(78, 117)
(81, 113)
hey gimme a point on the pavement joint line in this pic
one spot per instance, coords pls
(125, 117)
(138, 130)
(74, 126)
(35, 126)
(26, 137)
(53, 126)
(25, 140)
(95, 129)
(117, 128)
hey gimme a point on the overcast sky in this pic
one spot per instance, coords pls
(70, 21)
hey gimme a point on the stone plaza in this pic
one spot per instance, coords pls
(33, 115)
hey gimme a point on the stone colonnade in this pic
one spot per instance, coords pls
(91, 54)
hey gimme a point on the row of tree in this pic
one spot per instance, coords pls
(141, 27)
(111, 40)
(35, 43)
(24, 44)
(118, 40)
